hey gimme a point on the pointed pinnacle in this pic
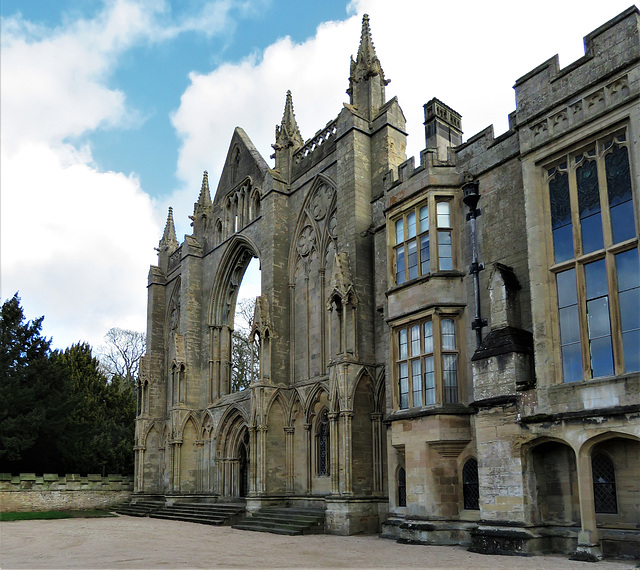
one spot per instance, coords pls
(366, 51)
(205, 197)
(289, 125)
(169, 236)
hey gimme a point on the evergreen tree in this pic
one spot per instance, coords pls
(33, 396)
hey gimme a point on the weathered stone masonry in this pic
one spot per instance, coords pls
(374, 399)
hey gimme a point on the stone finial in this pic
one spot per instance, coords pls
(169, 240)
(288, 133)
(204, 200)
(504, 287)
(367, 64)
(341, 281)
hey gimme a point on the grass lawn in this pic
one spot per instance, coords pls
(38, 515)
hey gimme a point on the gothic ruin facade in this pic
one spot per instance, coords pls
(449, 353)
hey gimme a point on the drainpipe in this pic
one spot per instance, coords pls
(471, 197)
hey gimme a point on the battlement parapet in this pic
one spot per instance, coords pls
(547, 85)
(483, 152)
(316, 148)
(429, 165)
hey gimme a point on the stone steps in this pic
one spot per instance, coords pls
(140, 508)
(291, 522)
(202, 513)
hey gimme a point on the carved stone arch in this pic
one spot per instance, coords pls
(189, 417)
(312, 399)
(254, 203)
(588, 445)
(153, 425)
(207, 425)
(380, 392)
(294, 401)
(364, 376)
(240, 250)
(277, 396)
(232, 439)
(234, 162)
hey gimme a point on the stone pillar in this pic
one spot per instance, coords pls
(335, 465)
(376, 430)
(289, 432)
(309, 451)
(347, 418)
(588, 539)
(262, 460)
(252, 461)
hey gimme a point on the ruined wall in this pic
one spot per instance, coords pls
(30, 492)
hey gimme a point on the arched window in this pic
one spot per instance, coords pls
(182, 384)
(604, 484)
(470, 485)
(402, 487)
(322, 443)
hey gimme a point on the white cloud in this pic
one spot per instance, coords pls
(76, 241)
(468, 56)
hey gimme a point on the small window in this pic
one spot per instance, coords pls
(604, 484)
(470, 485)
(322, 444)
(402, 487)
(445, 244)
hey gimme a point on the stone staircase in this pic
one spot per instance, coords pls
(141, 507)
(203, 513)
(288, 521)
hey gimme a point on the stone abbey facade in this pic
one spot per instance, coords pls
(448, 352)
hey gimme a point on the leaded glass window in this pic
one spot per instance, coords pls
(471, 485)
(322, 437)
(402, 487)
(411, 245)
(604, 484)
(595, 260)
(421, 380)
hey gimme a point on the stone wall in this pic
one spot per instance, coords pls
(31, 492)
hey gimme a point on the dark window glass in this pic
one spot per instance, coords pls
(402, 487)
(598, 319)
(569, 326)
(589, 206)
(604, 484)
(628, 273)
(619, 191)
(471, 485)
(561, 217)
(400, 265)
(323, 444)
(424, 254)
(412, 246)
(444, 250)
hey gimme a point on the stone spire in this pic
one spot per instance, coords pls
(169, 242)
(288, 139)
(288, 133)
(204, 200)
(366, 79)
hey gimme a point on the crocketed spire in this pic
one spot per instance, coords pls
(366, 77)
(169, 240)
(204, 200)
(288, 133)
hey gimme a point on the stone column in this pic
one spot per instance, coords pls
(588, 539)
(309, 451)
(347, 418)
(253, 485)
(262, 460)
(289, 432)
(376, 425)
(333, 451)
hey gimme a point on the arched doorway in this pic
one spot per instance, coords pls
(233, 456)
(243, 460)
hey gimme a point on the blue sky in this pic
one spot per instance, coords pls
(112, 109)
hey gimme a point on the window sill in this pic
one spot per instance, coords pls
(446, 409)
(423, 279)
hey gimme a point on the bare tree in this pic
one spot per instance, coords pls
(121, 353)
(244, 354)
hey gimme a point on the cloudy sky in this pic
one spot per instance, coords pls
(112, 109)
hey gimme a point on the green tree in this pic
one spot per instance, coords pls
(99, 434)
(33, 396)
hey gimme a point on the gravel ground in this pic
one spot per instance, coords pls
(130, 542)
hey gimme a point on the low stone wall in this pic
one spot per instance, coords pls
(51, 492)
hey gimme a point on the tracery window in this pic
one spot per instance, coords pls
(427, 362)
(595, 260)
(322, 444)
(604, 484)
(412, 244)
(471, 485)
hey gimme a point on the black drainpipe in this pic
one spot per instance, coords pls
(471, 197)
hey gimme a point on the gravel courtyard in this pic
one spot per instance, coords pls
(129, 542)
